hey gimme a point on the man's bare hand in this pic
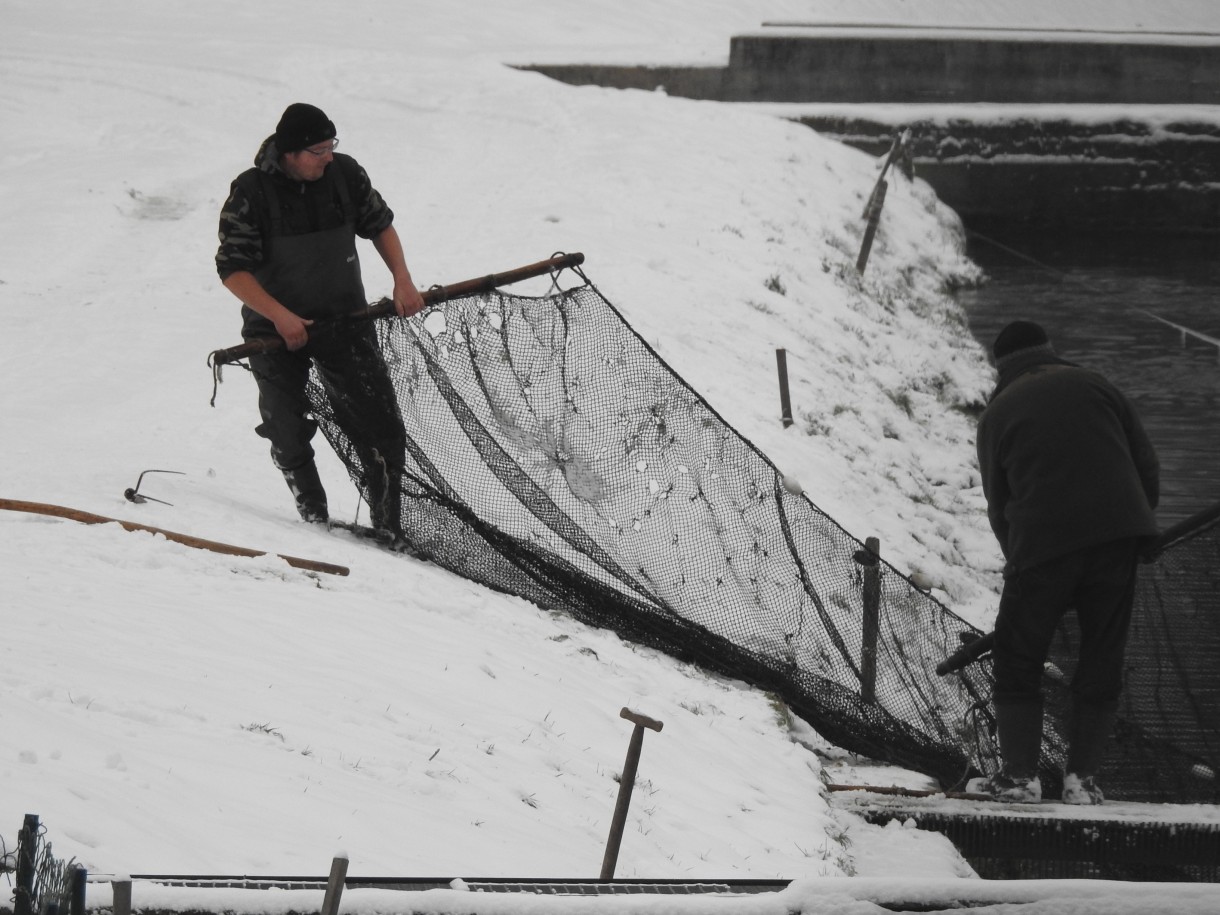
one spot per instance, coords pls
(407, 299)
(294, 330)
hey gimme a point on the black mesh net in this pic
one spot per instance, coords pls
(551, 454)
(1166, 744)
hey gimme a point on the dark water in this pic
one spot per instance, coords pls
(1091, 296)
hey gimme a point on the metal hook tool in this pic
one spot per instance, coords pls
(132, 494)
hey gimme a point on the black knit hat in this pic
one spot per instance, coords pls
(302, 125)
(1017, 336)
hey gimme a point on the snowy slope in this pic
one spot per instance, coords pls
(172, 710)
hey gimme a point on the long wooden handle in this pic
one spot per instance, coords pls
(967, 654)
(73, 514)
(431, 296)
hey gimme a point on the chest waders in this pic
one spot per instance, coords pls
(311, 266)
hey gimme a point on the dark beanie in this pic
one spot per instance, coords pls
(300, 126)
(1020, 336)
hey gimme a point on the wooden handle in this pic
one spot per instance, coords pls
(433, 296)
(967, 654)
(644, 720)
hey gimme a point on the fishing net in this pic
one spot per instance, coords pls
(551, 454)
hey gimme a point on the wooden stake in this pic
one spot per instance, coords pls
(334, 886)
(121, 890)
(876, 200)
(870, 230)
(80, 880)
(785, 402)
(872, 621)
(27, 842)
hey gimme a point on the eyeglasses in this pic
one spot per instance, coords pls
(329, 147)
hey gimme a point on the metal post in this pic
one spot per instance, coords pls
(872, 621)
(785, 402)
(626, 783)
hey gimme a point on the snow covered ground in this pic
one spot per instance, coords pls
(170, 710)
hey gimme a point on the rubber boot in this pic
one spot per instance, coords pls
(1088, 736)
(1019, 726)
(306, 487)
(385, 500)
(1020, 736)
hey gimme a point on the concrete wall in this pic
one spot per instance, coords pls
(1058, 175)
(1096, 198)
(897, 68)
(1043, 175)
(708, 83)
(947, 68)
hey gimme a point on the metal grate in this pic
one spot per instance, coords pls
(1002, 846)
(542, 886)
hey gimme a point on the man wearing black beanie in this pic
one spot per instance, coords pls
(288, 251)
(1071, 481)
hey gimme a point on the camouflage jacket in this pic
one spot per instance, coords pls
(245, 219)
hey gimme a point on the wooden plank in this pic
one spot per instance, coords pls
(84, 517)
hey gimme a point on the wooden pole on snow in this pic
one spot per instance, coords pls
(72, 514)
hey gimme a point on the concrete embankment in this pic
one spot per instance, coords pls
(1020, 137)
(1051, 171)
(926, 65)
